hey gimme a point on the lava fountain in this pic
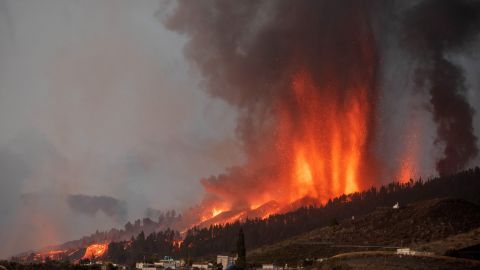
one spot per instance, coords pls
(303, 77)
(322, 149)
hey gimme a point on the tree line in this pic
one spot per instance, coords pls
(221, 239)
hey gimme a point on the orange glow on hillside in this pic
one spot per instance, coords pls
(51, 254)
(95, 251)
(215, 212)
(177, 243)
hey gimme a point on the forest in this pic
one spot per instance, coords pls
(220, 239)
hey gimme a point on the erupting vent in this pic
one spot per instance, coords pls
(323, 141)
(305, 78)
(307, 111)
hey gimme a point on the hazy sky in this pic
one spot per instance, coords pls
(96, 98)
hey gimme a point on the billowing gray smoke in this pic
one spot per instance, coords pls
(97, 106)
(250, 53)
(90, 205)
(435, 29)
(247, 52)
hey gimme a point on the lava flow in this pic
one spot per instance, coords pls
(95, 251)
(51, 254)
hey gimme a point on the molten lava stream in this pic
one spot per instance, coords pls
(95, 251)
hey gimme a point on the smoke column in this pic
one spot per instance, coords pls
(303, 76)
(433, 30)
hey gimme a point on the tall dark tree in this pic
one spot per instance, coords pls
(141, 237)
(241, 253)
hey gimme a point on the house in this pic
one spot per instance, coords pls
(201, 266)
(167, 263)
(271, 267)
(407, 251)
(226, 261)
(106, 266)
(147, 266)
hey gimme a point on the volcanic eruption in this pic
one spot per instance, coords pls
(327, 98)
(304, 78)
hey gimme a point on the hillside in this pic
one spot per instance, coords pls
(383, 229)
(130, 244)
(451, 245)
(379, 260)
(215, 239)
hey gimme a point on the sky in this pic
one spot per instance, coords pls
(96, 98)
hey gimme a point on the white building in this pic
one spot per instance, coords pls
(200, 266)
(105, 266)
(271, 267)
(407, 251)
(226, 261)
(147, 266)
(166, 263)
(169, 262)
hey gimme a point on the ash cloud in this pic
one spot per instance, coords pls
(248, 51)
(435, 31)
(90, 205)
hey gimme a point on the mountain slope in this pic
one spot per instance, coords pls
(383, 229)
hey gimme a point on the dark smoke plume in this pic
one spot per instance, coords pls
(90, 205)
(248, 51)
(434, 29)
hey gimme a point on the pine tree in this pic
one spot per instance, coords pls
(241, 253)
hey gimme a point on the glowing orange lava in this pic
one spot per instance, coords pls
(321, 140)
(95, 251)
(313, 140)
(215, 212)
(325, 143)
(177, 243)
(51, 254)
(411, 148)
